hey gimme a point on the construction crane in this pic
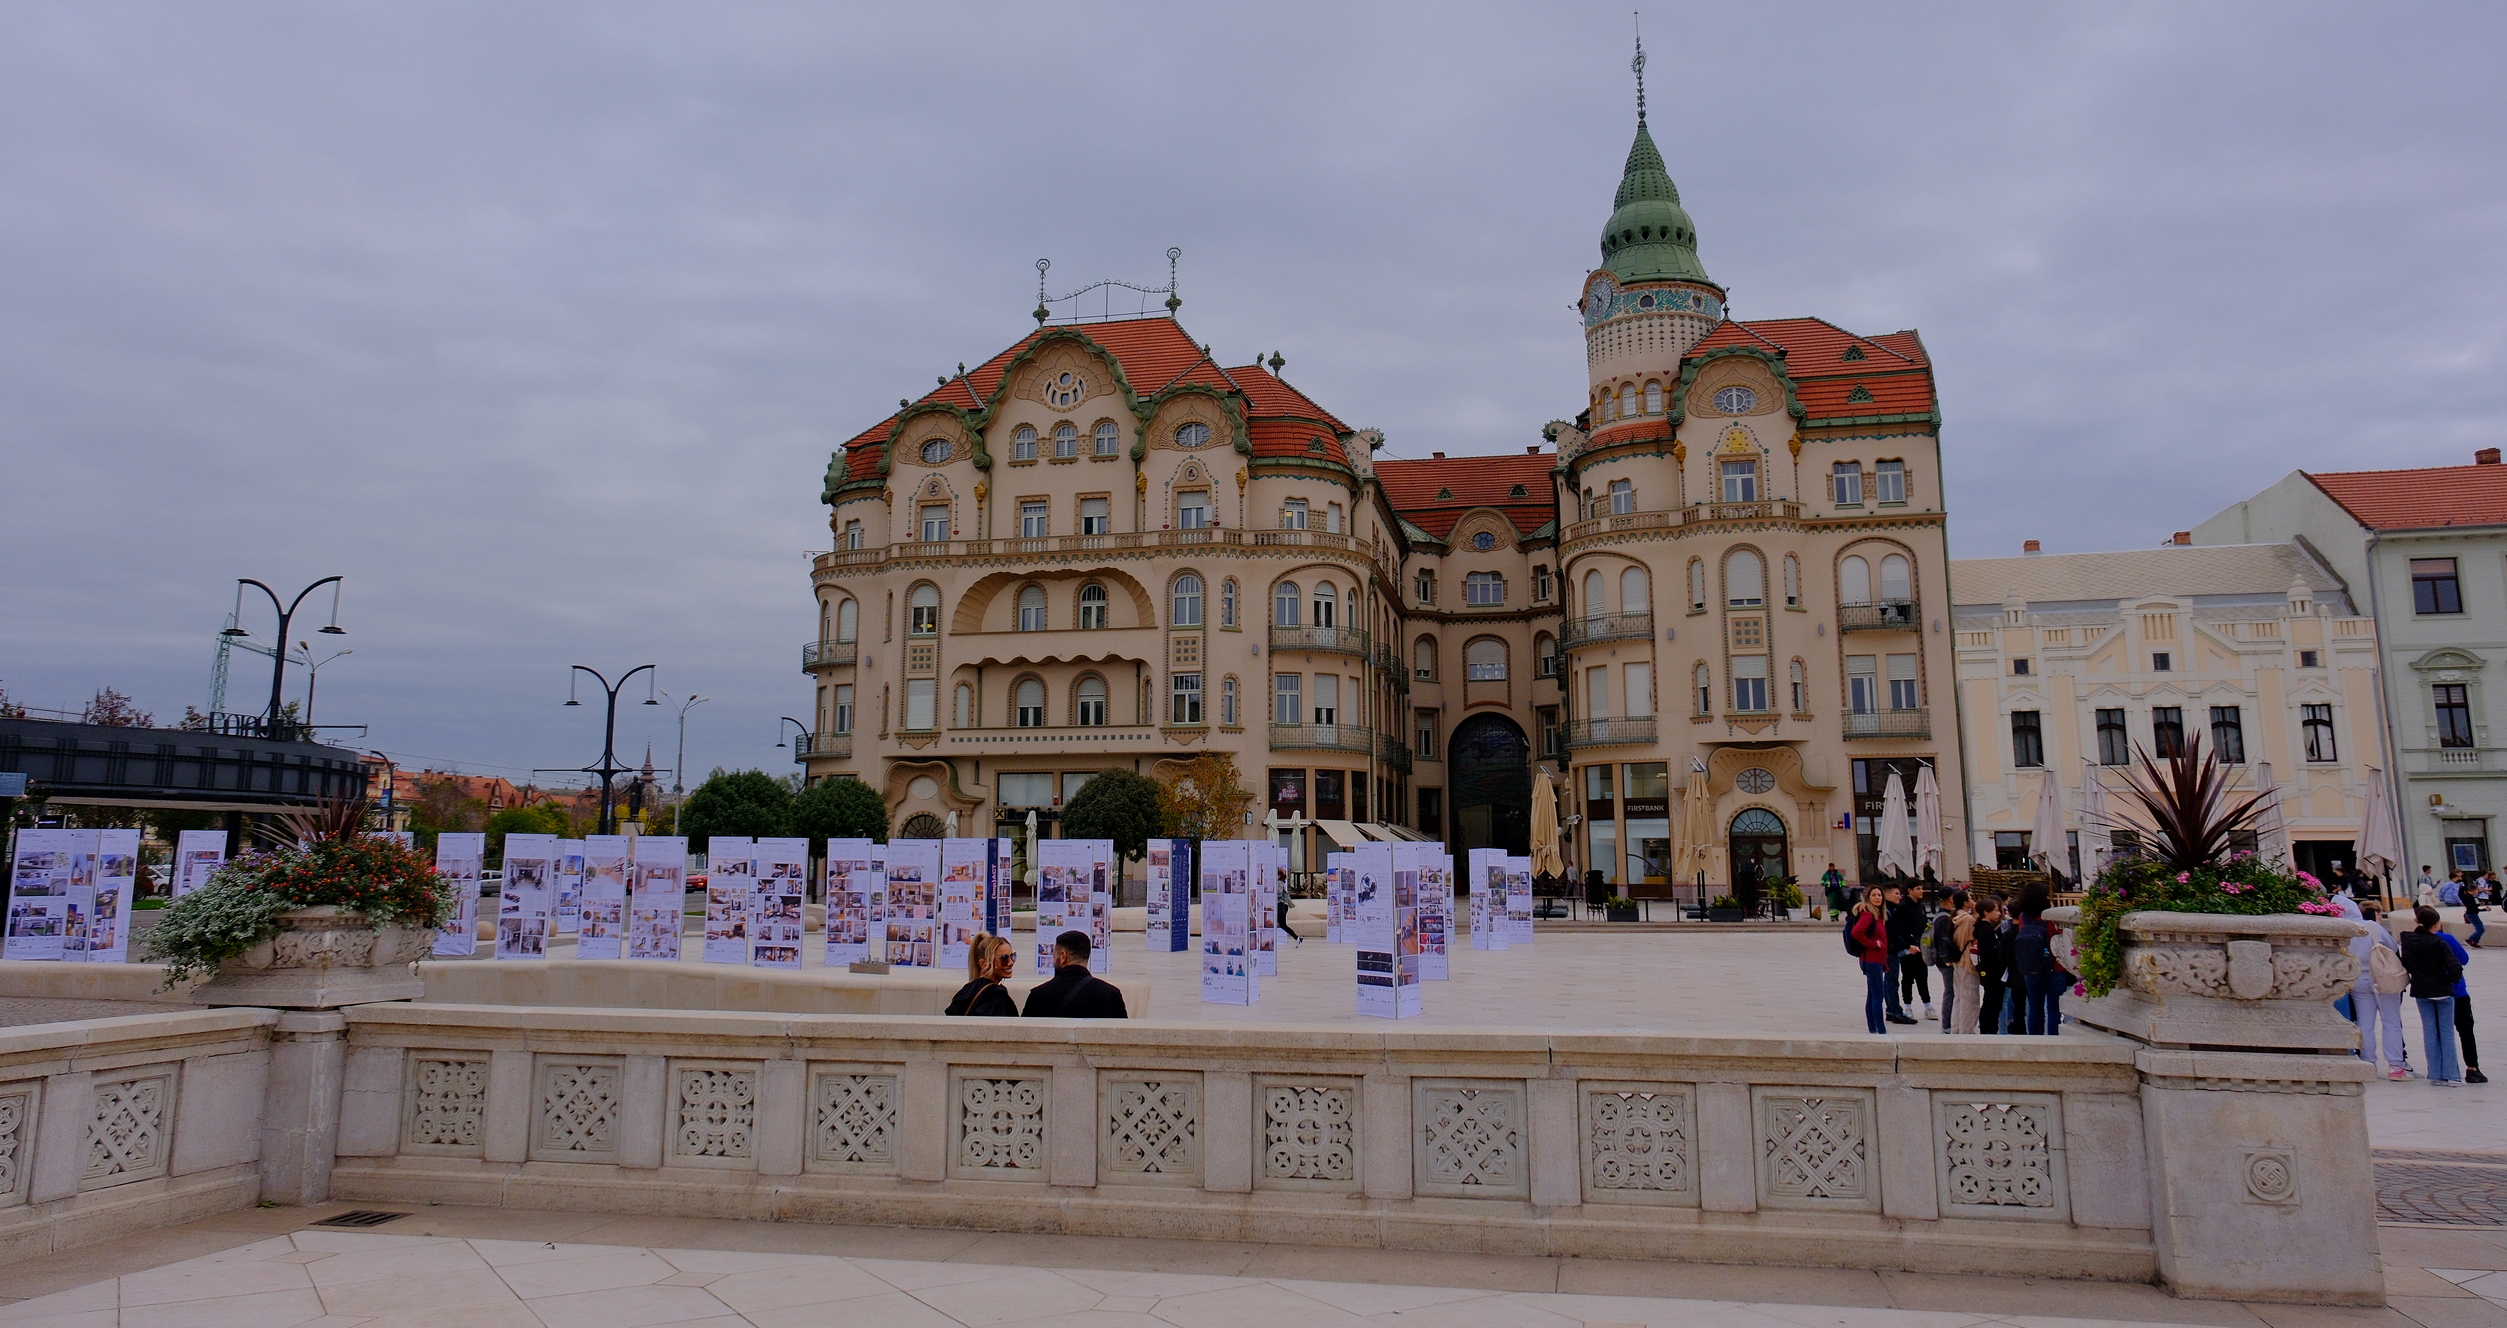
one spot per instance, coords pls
(217, 671)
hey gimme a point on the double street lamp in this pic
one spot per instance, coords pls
(270, 727)
(609, 769)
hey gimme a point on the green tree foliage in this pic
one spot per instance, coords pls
(839, 809)
(541, 818)
(750, 804)
(1116, 805)
(1204, 799)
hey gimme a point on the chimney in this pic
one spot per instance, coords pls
(1439, 456)
(2487, 456)
(2183, 537)
(1534, 451)
(2032, 547)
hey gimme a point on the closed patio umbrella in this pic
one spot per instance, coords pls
(1697, 838)
(1545, 855)
(2271, 832)
(1928, 826)
(2045, 838)
(1895, 856)
(2093, 820)
(2380, 842)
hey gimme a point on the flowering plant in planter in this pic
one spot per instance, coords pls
(2184, 809)
(320, 860)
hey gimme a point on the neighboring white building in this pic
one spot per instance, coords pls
(2072, 665)
(2426, 550)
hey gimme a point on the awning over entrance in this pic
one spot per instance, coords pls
(1343, 834)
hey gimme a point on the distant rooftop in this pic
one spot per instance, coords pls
(2200, 572)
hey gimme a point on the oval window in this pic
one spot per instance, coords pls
(1195, 434)
(1735, 400)
(936, 451)
(1484, 541)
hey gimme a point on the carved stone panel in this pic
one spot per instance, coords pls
(1640, 1143)
(2000, 1155)
(1815, 1148)
(446, 1110)
(1468, 1139)
(997, 1130)
(575, 1105)
(17, 1133)
(853, 1119)
(1310, 1132)
(1151, 1127)
(127, 1136)
(713, 1113)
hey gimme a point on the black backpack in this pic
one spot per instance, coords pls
(1945, 940)
(1848, 935)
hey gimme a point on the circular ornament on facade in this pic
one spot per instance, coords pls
(924, 786)
(1484, 541)
(1754, 780)
(1195, 434)
(1735, 400)
(935, 451)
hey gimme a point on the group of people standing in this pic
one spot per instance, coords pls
(2426, 963)
(1998, 966)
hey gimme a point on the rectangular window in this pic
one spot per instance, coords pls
(1623, 498)
(1427, 587)
(1847, 477)
(2454, 714)
(2019, 668)
(1031, 520)
(1544, 659)
(1427, 734)
(2115, 747)
(844, 707)
(852, 534)
(1289, 698)
(922, 703)
(1540, 585)
(935, 525)
(2307, 659)
(1329, 801)
(2228, 735)
(1597, 692)
(1185, 704)
(1902, 691)
(1092, 516)
(1288, 792)
(1640, 689)
(2167, 731)
(2434, 588)
(1332, 518)
(1293, 514)
(1192, 510)
(1889, 482)
(2028, 741)
(1862, 683)
(1484, 589)
(1749, 682)
(1740, 481)
(1227, 703)
(1552, 742)
(2317, 723)
(1025, 788)
(2161, 662)
(1327, 698)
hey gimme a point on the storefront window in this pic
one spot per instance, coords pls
(1648, 808)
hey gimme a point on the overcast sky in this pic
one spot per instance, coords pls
(539, 321)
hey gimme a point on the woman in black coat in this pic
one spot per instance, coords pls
(990, 961)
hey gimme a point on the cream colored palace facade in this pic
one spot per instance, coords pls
(1101, 547)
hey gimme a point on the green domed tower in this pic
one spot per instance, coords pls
(1651, 299)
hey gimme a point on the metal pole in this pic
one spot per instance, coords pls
(278, 657)
(609, 769)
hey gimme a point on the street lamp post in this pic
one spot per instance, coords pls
(609, 769)
(805, 734)
(391, 778)
(278, 657)
(313, 676)
(679, 771)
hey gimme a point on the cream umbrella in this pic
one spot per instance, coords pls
(2047, 833)
(1545, 856)
(2271, 832)
(1895, 853)
(1928, 849)
(2380, 842)
(2093, 819)
(950, 831)
(1699, 834)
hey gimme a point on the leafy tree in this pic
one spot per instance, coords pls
(750, 803)
(541, 818)
(1116, 805)
(437, 805)
(10, 709)
(113, 710)
(839, 809)
(1203, 799)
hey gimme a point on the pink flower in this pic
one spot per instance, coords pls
(2184, 878)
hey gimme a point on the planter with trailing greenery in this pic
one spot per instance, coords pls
(327, 918)
(2201, 943)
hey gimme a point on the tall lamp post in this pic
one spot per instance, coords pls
(805, 736)
(391, 779)
(609, 769)
(679, 771)
(313, 675)
(278, 657)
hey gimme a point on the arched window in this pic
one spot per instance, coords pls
(1185, 603)
(1632, 590)
(922, 608)
(1326, 605)
(1544, 655)
(1023, 443)
(1227, 700)
(1897, 586)
(1627, 399)
(1227, 602)
(826, 620)
(848, 621)
(962, 707)
(1594, 606)
(1653, 398)
(1610, 406)
(1484, 660)
(1287, 604)
(1066, 439)
(1031, 608)
(1801, 693)
(1031, 703)
(1423, 659)
(1697, 585)
(1704, 685)
(1745, 580)
(1854, 582)
(1107, 438)
(1623, 497)
(935, 451)
(1792, 582)
(1092, 702)
(1092, 606)
(1195, 434)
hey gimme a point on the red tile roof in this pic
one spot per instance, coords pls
(2420, 499)
(1893, 371)
(1434, 494)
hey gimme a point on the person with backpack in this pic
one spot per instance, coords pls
(2376, 998)
(2430, 959)
(2033, 965)
(1947, 944)
(1867, 939)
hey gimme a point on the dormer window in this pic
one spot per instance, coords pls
(1735, 400)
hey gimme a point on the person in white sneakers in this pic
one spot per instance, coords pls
(2376, 998)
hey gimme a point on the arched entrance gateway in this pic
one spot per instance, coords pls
(1758, 836)
(1489, 782)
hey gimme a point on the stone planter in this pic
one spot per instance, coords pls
(325, 957)
(1619, 912)
(2225, 982)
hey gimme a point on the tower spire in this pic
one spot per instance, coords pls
(1637, 67)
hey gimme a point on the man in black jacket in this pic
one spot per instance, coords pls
(1907, 920)
(1073, 992)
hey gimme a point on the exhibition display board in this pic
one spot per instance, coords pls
(998, 896)
(1436, 910)
(857, 900)
(1270, 881)
(657, 896)
(1340, 880)
(913, 911)
(1386, 921)
(604, 908)
(1073, 894)
(1487, 868)
(1228, 976)
(780, 871)
(70, 895)
(526, 906)
(569, 878)
(1519, 901)
(1170, 895)
(730, 887)
(197, 856)
(965, 897)
(458, 859)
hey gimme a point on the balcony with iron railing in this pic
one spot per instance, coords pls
(1323, 738)
(827, 654)
(1342, 640)
(1888, 723)
(822, 746)
(1581, 733)
(1769, 509)
(1900, 615)
(1605, 627)
(1390, 751)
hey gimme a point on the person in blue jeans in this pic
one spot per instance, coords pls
(2429, 956)
(1870, 933)
(2032, 962)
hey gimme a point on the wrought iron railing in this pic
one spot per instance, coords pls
(822, 746)
(1887, 615)
(1605, 627)
(1609, 732)
(1888, 723)
(1344, 640)
(1322, 738)
(1390, 750)
(821, 654)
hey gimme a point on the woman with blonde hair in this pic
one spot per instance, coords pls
(990, 961)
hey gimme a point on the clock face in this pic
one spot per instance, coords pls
(1597, 299)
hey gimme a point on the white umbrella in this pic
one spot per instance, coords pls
(2271, 832)
(950, 830)
(1928, 825)
(2380, 842)
(1031, 853)
(2093, 819)
(1545, 858)
(1895, 838)
(2045, 838)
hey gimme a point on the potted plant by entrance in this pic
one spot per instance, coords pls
(1723, 908)
(327, 916)
(1784, 894)
(1620, 908)
(2199, 943)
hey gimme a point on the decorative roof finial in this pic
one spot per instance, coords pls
(1637, 66)
(1042, 313)
(1174, 288)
